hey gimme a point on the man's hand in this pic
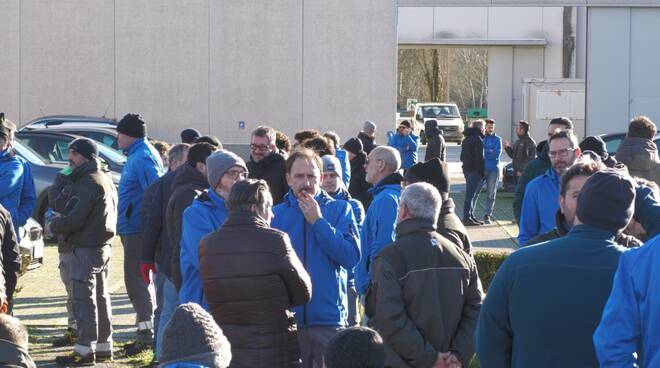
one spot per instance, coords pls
(506, 143)
(4, 306)
(309, 208)
(447, 360)
(144, 271)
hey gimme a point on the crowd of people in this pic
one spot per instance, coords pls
(314, 253)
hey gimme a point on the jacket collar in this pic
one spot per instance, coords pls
(87, 168)
(390, 181)
(241, 217)
(414, 225)
(14, 355)
(136, 145)
(588, 232)
(552, 174)
(214, 198)
(342, 194)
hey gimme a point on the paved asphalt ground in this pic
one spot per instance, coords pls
(40, 303)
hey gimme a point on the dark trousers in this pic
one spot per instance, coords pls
(472, 180)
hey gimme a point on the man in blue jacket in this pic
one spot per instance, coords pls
(541, 200)
(492, 153)
(142, 168)
(336, 188)
(18, 193)
(324, 235)
(631, 319)
(406, 142)
(546, 300)
(205, 215)
(380, 222)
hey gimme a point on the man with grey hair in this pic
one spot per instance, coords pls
(382, 170)
(267, 163)
(368, 136)
(422, 279)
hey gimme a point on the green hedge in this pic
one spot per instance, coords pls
(487, 263)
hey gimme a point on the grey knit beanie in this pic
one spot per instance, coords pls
(219, 162)
(192, 335)
(369, 127)
(331, 164)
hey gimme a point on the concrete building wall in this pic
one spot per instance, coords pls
(626, 83)
(207, 64)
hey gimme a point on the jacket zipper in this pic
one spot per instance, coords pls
(305, 264)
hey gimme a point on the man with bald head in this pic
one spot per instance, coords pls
(382, 170)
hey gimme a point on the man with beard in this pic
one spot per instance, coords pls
(267, 163)
(540, 202)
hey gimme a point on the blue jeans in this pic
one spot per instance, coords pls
(490, 180)
(472, 183)
(170, 303)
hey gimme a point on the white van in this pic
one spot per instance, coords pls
(446, 114)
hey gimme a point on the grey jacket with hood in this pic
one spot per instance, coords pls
(640, 155)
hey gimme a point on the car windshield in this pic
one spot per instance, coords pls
(440, 111)
(29, 154)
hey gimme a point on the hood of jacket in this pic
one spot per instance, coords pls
(638, 154)
(431, 128)
(391, 181)
(188, 175)
(472, 131)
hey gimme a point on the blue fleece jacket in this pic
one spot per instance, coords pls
(141, 169)
(631, 318)
(539, 206)
(342, 156)
(358, 214)
(492, 152)
(545, 302)
(205, 215)
(18, 194)
(407, 147)
(378, 229)
(327, 249)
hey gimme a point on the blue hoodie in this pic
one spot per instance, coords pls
(141, 169)
(379, 226)
(358, 213)
(492, 152)
(539, 206)
(327, 249)
(631, 318)
(407, 147)
(205, 215)
(342, 156)
(18, 194)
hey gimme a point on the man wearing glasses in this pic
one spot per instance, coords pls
(266, 163)
(540, 202)
(205, 215)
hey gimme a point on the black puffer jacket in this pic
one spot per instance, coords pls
(252, 277)
(436, 146)
(358, 187)
(89, 219)
(272, 169)
(472, 151)
(187, 184)
(452, 228)
(368, 143)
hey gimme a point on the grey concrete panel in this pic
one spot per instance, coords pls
(162, 61)
(256, 67)
(350, 65)
(10, 60)
(644, 56)
(608, 77)
(527, 22)
(460, 22)
(553, 31)
(500, 77)
(415, 23)
(67, 58)
(527, 63)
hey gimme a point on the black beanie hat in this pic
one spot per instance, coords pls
(355, 347)
(354, 146)
(433, 171)
(190, 135)
(133, 126)
(596, 145)
(86, 147)
(406, 124)
(607, 200)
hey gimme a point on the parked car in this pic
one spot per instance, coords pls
(55, 147)
(613, 140)
(448, 118)
(102, 130)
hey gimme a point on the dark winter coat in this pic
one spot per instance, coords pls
(533, 169)
(252, 277)
(435, 146)
(472, 151)
(452, 228)
(358, 187)
(272, 169)
(521, 152)
(156, 246)
(89, 219)
(11, 256)
(641, 157)
(368, 143)
(561, 229)
(424, 297)
(187, 184)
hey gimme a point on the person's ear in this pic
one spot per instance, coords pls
(578, 152)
